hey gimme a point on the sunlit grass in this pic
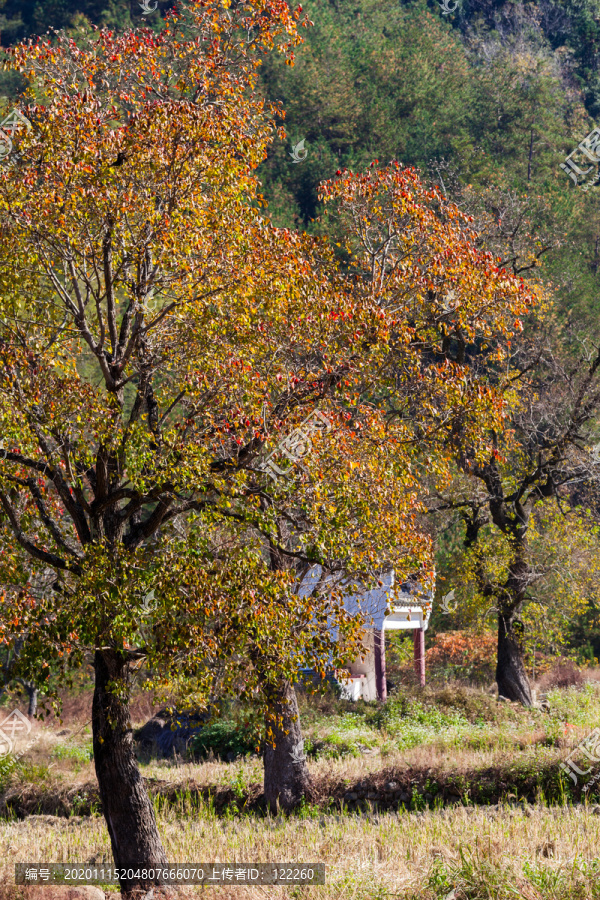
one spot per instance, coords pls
(535, 853)
(479, 853)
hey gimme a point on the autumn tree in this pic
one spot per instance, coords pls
(508, 501)
(529, 508)
(149, 346)
(455, 311)
(157, 335)
(463, 312)
(159, 338)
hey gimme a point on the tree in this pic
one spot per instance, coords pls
(158, 335)
(131, 224)
(528, 507)
(20, 20)
(456, 302)
(504, 496)
(174, 333)
(379, 79)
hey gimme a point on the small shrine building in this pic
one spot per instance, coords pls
(388, 607)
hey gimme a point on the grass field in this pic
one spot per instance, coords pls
(478, 852)
(488, 843)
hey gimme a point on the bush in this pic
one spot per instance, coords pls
(224, 738)
(463, 654)
(564, 675)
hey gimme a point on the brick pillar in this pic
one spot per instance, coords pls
(419, 639)
(379, 650)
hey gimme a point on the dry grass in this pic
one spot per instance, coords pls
(496, 853)
(382, 856)
(62, 784)
(57, 766)
(445, 754)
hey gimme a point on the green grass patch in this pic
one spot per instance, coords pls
(73, 751)
(223, 738)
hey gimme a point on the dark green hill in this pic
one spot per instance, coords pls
(487, 101)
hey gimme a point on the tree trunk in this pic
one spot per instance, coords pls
(32, 693)
(286, 773)
(510, 670)
(379, 649)
(125, 803)
(419, 653)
